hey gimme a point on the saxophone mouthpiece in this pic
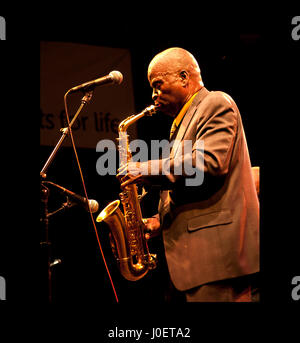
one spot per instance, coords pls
(150, 110)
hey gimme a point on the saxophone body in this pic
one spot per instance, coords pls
(127, 229)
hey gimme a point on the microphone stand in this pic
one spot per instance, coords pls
(45, 243)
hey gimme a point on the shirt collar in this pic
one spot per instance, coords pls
(184, 109)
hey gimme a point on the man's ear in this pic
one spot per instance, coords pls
(184, 76)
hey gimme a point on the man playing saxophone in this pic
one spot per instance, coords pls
(211, 229)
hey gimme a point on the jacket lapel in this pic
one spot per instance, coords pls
(187, 119)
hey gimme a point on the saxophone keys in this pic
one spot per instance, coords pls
(152, 261)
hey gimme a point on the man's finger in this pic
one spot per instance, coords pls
(131, 180)
(122, 170)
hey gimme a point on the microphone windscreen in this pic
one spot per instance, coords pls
(116, 76)
(94, 206)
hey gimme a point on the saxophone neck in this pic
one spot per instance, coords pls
(148, 111)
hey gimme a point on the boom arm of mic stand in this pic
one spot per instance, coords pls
(85, 100)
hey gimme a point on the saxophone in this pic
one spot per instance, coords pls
(127, 239)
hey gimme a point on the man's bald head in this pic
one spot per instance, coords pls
(175, 60)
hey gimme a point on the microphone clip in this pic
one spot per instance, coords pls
(64, 206)
(87, 96)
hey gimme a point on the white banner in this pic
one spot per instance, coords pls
(66, 65)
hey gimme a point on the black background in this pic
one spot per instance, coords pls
(250, 56)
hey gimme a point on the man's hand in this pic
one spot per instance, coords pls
(152, 227)
(132, 172)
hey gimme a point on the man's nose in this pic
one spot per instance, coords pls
(154, 94)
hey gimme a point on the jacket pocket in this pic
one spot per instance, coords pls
(209, 219)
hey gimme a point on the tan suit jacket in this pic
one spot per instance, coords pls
(211, 231)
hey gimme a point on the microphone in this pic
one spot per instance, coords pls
(94, 206)
(114, 77)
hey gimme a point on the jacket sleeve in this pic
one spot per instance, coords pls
(215, 129)
(218, 130)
